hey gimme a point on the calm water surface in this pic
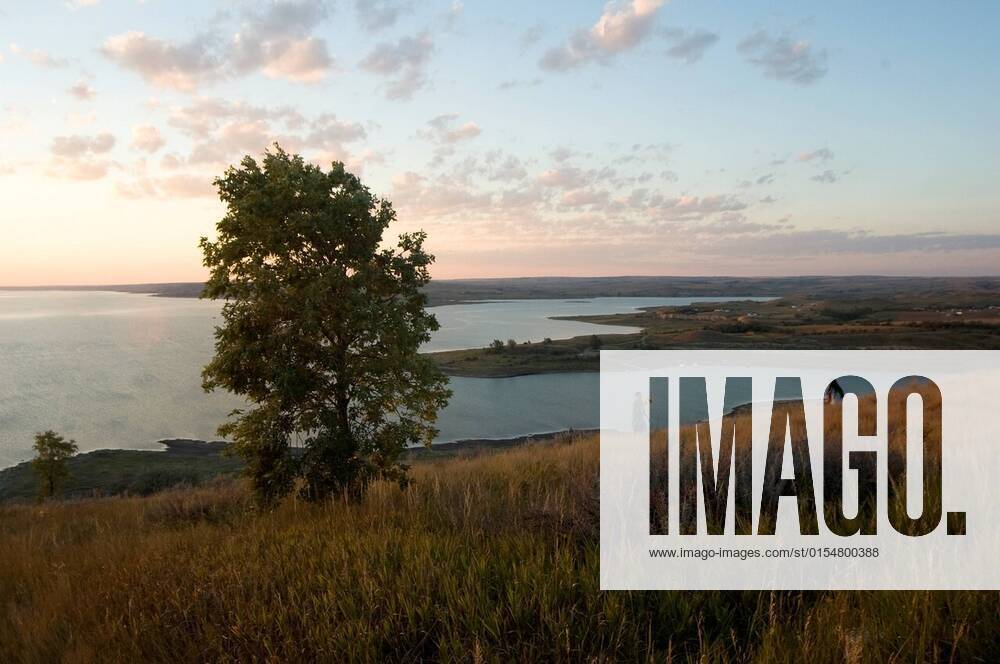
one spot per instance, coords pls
(117, 370)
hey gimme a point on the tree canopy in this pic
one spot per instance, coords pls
(51, 453)
(321, 328)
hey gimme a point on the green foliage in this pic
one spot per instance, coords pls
(496, 346)
(52, 451)
(322, 324)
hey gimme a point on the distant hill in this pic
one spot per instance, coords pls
(453, 291)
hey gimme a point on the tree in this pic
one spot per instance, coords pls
(511, 343)
(496, 346)
(321, 329)
(51, 453)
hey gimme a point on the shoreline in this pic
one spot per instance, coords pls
(487, 444)
(462, 291)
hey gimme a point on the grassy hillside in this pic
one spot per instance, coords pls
(492, 557)
(135, 472)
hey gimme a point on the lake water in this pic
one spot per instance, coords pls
(476, 325)
(117, 370)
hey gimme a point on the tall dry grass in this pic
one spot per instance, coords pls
(492, 558)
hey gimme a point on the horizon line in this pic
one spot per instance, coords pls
(99, 286)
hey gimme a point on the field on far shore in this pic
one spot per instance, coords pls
(488, 557)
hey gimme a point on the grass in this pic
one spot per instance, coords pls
(491, 557)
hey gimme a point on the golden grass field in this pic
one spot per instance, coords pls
(485, 558)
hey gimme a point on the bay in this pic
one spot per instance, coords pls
(120, 370)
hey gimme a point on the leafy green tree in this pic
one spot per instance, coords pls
(51, 454)
(321, 328)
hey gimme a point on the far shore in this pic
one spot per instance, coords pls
(462, 291)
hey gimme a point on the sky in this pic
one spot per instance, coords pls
(527, 138)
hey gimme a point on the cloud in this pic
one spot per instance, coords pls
(822, 154)
(439, 198)
(181, 67)
(505, 169)
(526, 204)
(454, 13)
(221, 132)
(443, 129)
(302, 61)
(78, 145)
(622, 26)
(233, 139)
(446, 133)
(584, 197)
(375, 15)
(783, 58)
(569, 208)
(688, 45)
(404, 63)
(82, 91)
(171, 186)
(735, 224)
(147, 139)
(822, 242)
(644, 153)
(561, 154)
(80, 157)
(826, 177)
(39, 57)
(564, 178)
(276, 42)
(513, 83)
(687, 208)
(202, 118)
(531, 36)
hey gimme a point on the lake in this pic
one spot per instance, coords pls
(118, 370)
